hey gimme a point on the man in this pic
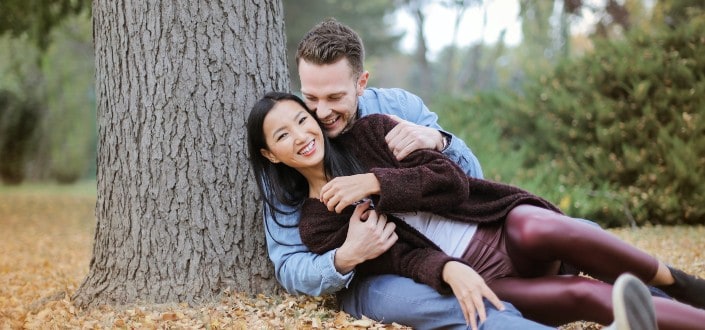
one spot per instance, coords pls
(334, 86)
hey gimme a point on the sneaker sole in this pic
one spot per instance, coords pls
(633, 305)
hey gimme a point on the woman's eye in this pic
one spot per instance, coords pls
(281, 136)
(302, 120)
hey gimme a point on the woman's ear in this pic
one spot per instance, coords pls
(269, 155)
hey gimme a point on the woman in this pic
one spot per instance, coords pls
(513, 239)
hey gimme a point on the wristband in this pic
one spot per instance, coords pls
(446, 141)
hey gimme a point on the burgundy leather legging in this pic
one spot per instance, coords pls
(537, 240)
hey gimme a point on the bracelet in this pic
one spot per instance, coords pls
(445, 142)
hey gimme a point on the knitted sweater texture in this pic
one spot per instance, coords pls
(425, 180)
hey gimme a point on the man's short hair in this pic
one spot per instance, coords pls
(330, 41)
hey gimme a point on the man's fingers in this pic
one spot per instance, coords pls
(364, 215)
(389, 233)
(388, 226)
(394, 136)
(361, 211)
(372, 217)
(401, 145)
(401, 154)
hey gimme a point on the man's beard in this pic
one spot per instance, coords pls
(352, 121)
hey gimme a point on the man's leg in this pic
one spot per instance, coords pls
(392, 298)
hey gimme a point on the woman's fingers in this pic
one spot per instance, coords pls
(481, 313)
(470, 289)
(489, 294)
(470, 318)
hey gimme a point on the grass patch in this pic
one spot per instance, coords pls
(84, 188)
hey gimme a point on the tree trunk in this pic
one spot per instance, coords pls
(178, 213)
(425, 81)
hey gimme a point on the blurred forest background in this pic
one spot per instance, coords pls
(598, 107)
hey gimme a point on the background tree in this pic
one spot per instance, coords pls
(36, 18)
(45, 69)
(177, 215)
(423, 77)
(450, 81)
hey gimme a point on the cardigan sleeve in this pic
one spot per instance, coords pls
(425, 180)
(322, 230)
(423, 265)
(413, 255)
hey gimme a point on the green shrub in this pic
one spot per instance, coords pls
(626, 123)
(479, 121)
(475, 121)
(18, 123)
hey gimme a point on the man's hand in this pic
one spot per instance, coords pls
(342, 191)
(369, 235)
(469, 288)
(407, 137)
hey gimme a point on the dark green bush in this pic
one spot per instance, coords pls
(627, 122)
(18, 122)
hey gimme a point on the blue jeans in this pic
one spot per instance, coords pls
(392, 298)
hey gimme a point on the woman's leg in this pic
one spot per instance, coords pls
(392, 298)
(535, 236)
(539, 235)
(557, 300)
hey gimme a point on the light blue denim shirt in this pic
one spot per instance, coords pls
(301, 271)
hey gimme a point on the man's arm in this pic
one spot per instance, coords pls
(411, 108)
(300, 271)
(296, 268)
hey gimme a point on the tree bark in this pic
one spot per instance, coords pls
(178, 213)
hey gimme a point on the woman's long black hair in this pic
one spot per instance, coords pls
(279, 183)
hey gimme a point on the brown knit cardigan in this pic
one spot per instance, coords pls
(425, 180)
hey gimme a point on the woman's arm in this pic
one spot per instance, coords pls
(425, 180)
(412, 255)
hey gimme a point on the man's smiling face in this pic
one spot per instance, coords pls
(331, 92)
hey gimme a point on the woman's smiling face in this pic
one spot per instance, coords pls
(293, 136)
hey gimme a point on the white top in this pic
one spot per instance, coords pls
(451, 236)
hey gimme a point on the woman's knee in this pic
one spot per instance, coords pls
(584, 292)
(529, 226)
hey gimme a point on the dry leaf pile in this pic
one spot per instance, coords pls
(46, 246)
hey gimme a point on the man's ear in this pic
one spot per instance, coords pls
(362, 82)
(269, 155)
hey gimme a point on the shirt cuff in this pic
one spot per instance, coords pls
(346, 278)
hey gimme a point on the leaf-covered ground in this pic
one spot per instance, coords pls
(45, 247)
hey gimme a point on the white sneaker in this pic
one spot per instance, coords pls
(633, 305)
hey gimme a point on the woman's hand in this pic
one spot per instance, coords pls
(469, 287)
(343, 191)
